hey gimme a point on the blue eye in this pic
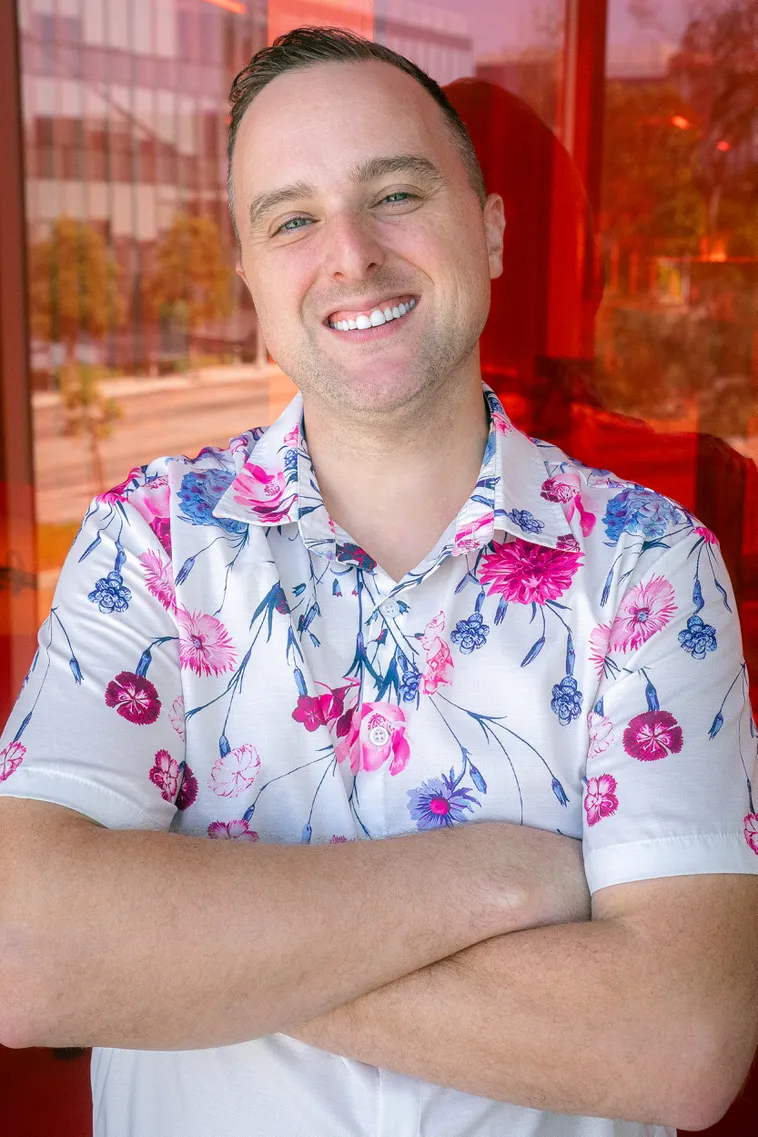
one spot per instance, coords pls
(283, 228)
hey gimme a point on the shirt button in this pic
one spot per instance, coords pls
(391, 609)
(379, 736)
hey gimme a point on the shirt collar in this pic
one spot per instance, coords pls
(277, 485)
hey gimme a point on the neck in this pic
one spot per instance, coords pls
(415, 471)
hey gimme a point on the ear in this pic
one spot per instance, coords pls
(494, 225)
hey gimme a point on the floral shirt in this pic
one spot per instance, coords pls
(222, 659)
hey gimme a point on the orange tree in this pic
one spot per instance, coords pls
(190, 282)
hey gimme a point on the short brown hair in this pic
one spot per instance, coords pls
(308, 46)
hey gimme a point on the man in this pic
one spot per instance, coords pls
(321, 655)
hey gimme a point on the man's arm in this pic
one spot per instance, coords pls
(165, 941)
(647, 1013)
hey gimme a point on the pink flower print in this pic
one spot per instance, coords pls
(653, 735)
(235, 772)
(120, 492)
(204, 643)
(600, 800)
(161, 526)
(467, 537)
(231, 831)
(134, 697)
(708, 535)
(165, 775)
(11, 758)
(377, 732)
(262, 492)
(187, 791)
(151, 499)
(159, 578)
(151, 502)
(176, 715)
(751, 831)
(499, 421)
(527, 573)
(600, 734)
(599, 641)
(439, 661)
(293, 437)
(645, 610)
(309, 712)
(564, 488)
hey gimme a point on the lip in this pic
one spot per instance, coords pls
(363, 335)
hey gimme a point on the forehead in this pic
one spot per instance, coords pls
(332, 115)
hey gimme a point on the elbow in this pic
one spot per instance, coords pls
(715, 1078)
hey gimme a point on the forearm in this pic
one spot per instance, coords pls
(565, 1019)
(147, 940)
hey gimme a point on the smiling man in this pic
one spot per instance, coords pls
(387, 771)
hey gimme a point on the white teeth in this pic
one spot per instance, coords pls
(376, 318)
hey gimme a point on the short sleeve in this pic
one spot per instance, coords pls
(98, 726)
(671, 761)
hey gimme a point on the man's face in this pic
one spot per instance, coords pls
(349, 247)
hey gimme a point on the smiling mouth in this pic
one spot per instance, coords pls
(375, 319)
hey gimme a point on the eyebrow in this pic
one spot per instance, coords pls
(365, 171)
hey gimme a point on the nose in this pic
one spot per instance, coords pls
(352, 247)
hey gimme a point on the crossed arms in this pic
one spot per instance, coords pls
(647, 1012)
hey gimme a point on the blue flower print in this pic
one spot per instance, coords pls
(110, 593)
(409, 684)
(698, 638)
(199, 493)
(438, 802)
(567, 700)
(526, 520)
(470, 634)
(637, 510)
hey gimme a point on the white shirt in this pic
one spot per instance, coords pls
(567, 657)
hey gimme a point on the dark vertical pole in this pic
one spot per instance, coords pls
(18, 579)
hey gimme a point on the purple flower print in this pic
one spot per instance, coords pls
(204, 643)
(526, 520)
(231, 831)
(567, 700)
(377, 732)
(698, 638)
(437, 803)
(187, 790)
(470, 634)
(200, 492)
(134, 697)
(527, 573)
(600, 799)
(644, 611)
(11, 758)
(110, 593)
(653, 735)
(235, 772)
(751, 831)
(639, 510)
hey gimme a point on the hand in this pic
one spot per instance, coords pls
(530, 877)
